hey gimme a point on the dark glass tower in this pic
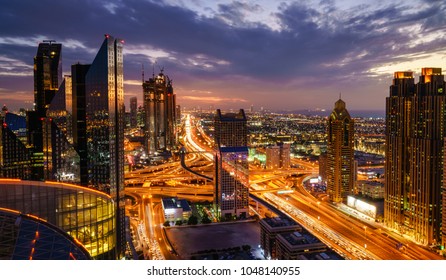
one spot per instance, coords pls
(231, 164)
(47, 77)
(104, 84)
(47, 74)
(340, 156)
(415, 131)
(78, 73)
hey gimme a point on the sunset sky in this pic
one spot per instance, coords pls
(280, 55)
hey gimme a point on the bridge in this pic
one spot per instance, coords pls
(183, 153)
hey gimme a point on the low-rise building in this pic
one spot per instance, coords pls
(176, 209)
(270, 228)
(292, 245)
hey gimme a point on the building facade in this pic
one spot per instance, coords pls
(160, 114)
(415, 131)
(61, 160)
(270, 228)
(15, 159)
(133, 112)
(104, 114)
(47, 78)
(83, 213)
(231, 164)
(340, 153)
(278, 156)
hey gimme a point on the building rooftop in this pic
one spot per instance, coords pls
(300, 238)
(174, 203)
(276, 222)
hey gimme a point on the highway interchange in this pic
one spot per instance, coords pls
(353, 236)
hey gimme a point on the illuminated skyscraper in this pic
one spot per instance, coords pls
(340, 156)
(61, 158)
(47, 78)
(104, 88)
(47, 74)
(415, 131)
(160, 119)
(231, 167)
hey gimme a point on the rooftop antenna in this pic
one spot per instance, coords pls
(153, 69)
(340, 95)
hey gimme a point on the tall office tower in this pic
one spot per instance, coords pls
(78, 73)
(14, 156)
(61, 159)
(231, 164)
(104, 96)
(47, 74)
(133, 111)
(159, 106)
(415, 131)
(47, 77)
(340, 156)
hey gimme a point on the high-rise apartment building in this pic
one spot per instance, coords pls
(415, 131)
(340, 154)
(160, 119)
(133, 111)
(231, 164)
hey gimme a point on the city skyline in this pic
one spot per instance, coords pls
(234, 54)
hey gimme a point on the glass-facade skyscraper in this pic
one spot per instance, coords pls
(47, 78)
(415, 133)
(231, 178)
(104, 89)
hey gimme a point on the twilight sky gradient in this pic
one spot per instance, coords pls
(282, 55)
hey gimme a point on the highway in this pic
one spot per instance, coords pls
(343, 231)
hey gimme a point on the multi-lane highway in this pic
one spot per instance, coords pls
(346, 233)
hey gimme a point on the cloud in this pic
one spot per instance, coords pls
(293, 46)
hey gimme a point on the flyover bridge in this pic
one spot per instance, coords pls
(183, 153)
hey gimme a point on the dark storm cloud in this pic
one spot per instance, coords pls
(313, 41)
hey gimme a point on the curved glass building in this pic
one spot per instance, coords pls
(85, 214)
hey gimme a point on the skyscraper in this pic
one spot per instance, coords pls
(340, 156)
(415, 131)
(78, 73)
(47, 74)
(104, 114)
(47, 78)
(160, 119)
(61, 158)
(133, 111)
(231, 164)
